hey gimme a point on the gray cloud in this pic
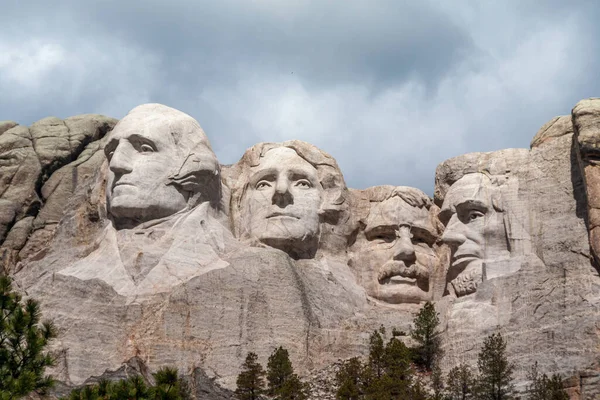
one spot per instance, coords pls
(390, 89)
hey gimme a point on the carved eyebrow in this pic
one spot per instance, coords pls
(423, 233)
(370, 232)
(141, 140)
(269, 174)
(472, 204)
(111, 146)
(446, 213)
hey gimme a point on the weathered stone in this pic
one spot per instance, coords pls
(23, 187)
(6, 125)
(556, 127)
(19, 173)
(586, 121)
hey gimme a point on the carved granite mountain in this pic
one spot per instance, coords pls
(139, 245)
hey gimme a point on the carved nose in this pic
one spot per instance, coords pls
(453, 234)
(119, 162)
(282, 196)
(403, 248)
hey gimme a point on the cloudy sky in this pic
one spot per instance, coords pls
(390, 88)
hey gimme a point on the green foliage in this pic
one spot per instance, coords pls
(22, 343)
(545, 388)
(495, 372)
(437, 383)
(386, 375)
(460, 383)
(168, 387)
(349, 380)
(279, 370)
(424, 333)
(283, 383)
(250, 382)
(377, 353)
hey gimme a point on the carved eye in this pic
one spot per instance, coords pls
(474, 214)
(146, 148)
(303, 184)
(262, 185)
(110, 154)
(418, 240)
(385, 238)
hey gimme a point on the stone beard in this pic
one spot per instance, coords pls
(475, 230)
(281, 203)
(394, 257)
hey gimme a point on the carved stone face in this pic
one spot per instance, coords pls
(281, 205)
(474, 229)
(142, 155)
(395, 258)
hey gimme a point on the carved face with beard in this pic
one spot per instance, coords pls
(394, 257)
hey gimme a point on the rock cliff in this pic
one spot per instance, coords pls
(140, 246)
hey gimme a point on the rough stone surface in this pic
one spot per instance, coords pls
(32, 182)
(140, 246)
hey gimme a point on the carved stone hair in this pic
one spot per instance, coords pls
(329, 174)
(412, 196)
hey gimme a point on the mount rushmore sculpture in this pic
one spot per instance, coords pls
(138, 243)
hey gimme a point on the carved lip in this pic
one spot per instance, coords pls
(278, 214)
(117, 184)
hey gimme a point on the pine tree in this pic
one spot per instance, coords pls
(495, 372)
(282, 383)
(279, 369)
(22, 343)
(377, 353)
(437, 383)
(398, 374)
(424, 333)
(393, 363)
(293, 389)
(168, 385)
(250, 382)
(460, 383)
(349, 380)
(544, 388)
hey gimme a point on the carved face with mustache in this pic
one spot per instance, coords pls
(394, 257)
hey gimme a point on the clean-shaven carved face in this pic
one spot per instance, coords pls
(474, 228)
(282, 200)
(141, 158)
(395, 257)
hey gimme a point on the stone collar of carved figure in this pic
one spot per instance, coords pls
(396, 258)
(282, 202)
(474, 231)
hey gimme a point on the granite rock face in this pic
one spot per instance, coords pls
(140, 246)
(32, 204)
